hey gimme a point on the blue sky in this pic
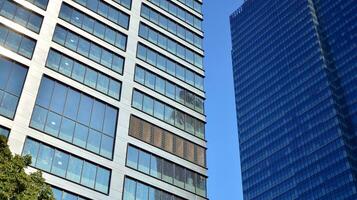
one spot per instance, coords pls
(224, 181)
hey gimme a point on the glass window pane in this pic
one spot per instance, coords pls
(168, 171)
(72, 104)
(114, 89)
(95, 53)
(53, 123)
(129, 189)
(102, 180)
(13, 41)
(107, 146)
(58, 98)
(31, 148)
(8, 105)
(68, 196)
(57, 193)
(59, 35)
(160, 85)
(169, 115)
(180, 72)
(179, 148)
(76, 18)
(154, 194)
(53, 60)
(74, 170)
(150, 80)
(16, 80)
(132, 157)
(201, 185)
(88, 174)
(170, 90)
(5, 70)
(97, 117)
(179, 176)
(190, 181)
(148, 105)
(8, 10)
(91, 78)
(88, 24)
(34, 23)
(78, 72)
(93, 142)
(27, 47)
(180, 95)
(71, 41)
(80, 135)
(110, 121)
(118, 64)
(45, 92)
(67, 129)
(83, 47)
(180, 120)
(142, 191)
(139, 75)
(155, 166)
(158, 137)
(159, 110)
(137, 100)
(85, 108)
(60, 163)
(144, 162)
(38, 118)
(110, 35)
(103, 83)
(106, 59)
(44, 158)
(66, 66)
(189, 124)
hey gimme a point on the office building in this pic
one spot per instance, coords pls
(294, 64)
(107, 96)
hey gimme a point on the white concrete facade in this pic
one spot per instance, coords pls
(20, 128)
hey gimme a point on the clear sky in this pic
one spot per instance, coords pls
(224, 182)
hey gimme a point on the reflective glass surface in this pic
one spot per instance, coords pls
(75, 117)
(4, 131)
(66, 165)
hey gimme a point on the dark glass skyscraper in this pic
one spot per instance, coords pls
(295, 73)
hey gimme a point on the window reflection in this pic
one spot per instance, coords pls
(70, 167)
(75, 117)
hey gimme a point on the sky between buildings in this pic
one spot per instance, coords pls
(224, 182)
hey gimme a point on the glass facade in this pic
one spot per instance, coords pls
(75, 117)
(165, 170)
(93, 26)
(83, 74)
(167, 141)
(16, 42)
(135, 190)
(61, 194)
(84, 61)
(168, 114)
(107, 11)
(169, 66)
(170, 45)
(88, 49)
(12, 78)
(68, 166)
(171, 26)
(294, 64)
(169, 89)
(17, 13)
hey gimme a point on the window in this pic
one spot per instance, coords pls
(93, 26)
(17, 42)
(39, 3)
(135, 190)
(190, 181)
(170, 25)
(107, 11)
(86, 48)
(171, 45)
(171, 115)
(4, 131)
(21, 15)
(173, 91)
(180, 12)
(167, 141)
(78, 170)
(162, 169)
(61, 194)
(83, 74)
(67, 114)
(12, 78)
(171, 67)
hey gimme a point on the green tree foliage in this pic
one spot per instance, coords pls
(15, 183)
